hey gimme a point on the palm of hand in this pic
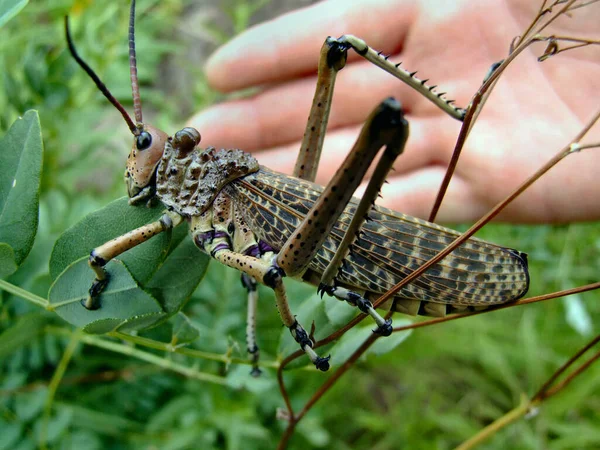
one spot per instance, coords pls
(535, 109)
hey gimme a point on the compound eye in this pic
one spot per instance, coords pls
(143, 141)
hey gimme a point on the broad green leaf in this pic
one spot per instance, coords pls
(8, 265)
(122, 302)
(349, 343)
(101, 226)
(338, 312)
(355, 337)
(184, 330)
(10, 8)
(387, 344)
(20, 170)
(178, 276)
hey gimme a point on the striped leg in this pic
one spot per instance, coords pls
(253, 352)
(333, 59)
(219, 230)
(387, 127)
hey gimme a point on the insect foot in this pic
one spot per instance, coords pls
(97, 264)
(92, 302)
(273, 278)
(384, 327)
(306, 345)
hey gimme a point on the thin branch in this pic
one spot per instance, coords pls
(543, 394)
(26, 295)
(546, 386)
(564, 383)
(564, 152)
(167, 364)
(508, 418)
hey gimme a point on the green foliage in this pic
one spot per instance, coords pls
(20, 170)
(185, 383)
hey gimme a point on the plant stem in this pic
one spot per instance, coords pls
(117, 347)
(19, 292)
(55, 382)
(497, 425)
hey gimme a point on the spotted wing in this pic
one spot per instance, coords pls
(389, 247)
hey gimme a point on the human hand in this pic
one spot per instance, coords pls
(535, 110)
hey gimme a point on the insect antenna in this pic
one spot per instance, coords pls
(134, 129)
(135, 88)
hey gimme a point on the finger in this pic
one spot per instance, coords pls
(289, 45)
(423, 148)
(277, 116)
(414, 194)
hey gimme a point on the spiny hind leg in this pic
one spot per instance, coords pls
(386, 128)
(332, 59)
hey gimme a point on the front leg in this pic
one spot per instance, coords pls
(100, 256)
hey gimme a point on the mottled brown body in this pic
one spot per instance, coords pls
(391, 244)
(268, 225)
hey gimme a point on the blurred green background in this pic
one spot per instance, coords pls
(439, 387)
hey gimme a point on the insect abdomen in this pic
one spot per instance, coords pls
(390, 245)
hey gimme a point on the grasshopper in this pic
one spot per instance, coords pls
(269, 225)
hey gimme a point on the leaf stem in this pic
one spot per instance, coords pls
(167, 347)
(497, 425)
(20, 292)
(165, 363)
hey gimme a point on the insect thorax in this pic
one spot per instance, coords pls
(188, 182)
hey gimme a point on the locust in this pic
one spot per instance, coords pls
(270, 226)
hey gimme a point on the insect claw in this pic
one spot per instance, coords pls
(322, 363)
(92, 302)
(256, 372)
(323, 288)
(385, 329)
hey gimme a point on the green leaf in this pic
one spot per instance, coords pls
(355, 337)
(124, 305)
(20, 170)
(99, 227)
(184, 330)
(387, 344)
(178, 276)
(10, 8)
(8, 265)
